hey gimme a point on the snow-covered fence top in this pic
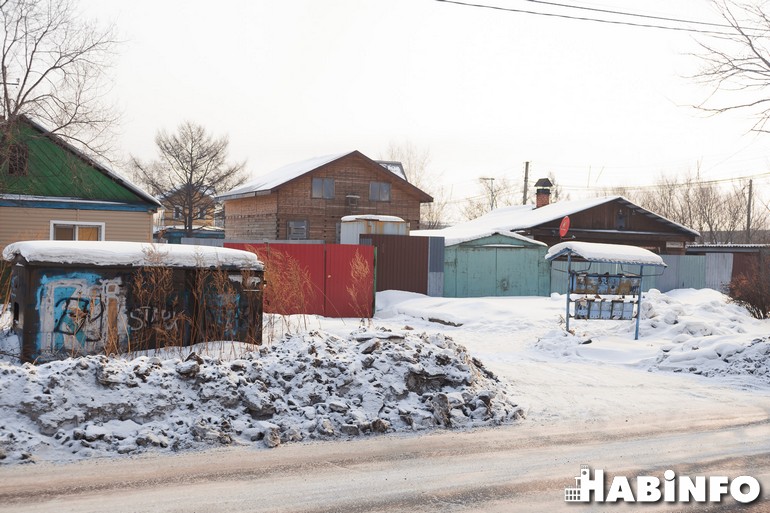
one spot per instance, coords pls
(137, 254)
(609, 253)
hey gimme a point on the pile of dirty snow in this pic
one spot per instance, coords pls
(306, 387)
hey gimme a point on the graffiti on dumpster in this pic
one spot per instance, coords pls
(77, 310)
(142, 317)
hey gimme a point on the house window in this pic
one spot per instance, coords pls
(18, 154)
(72, 230)
(177, 212)
(379, 191)
(323, 188)
(297, 230)
(202, 213)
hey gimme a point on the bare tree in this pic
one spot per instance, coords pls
(717, 211)
(416, 163)
(737, 61)
(192, 168)
(52, 69)
(497, 192)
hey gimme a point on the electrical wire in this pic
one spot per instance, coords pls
(597, 20)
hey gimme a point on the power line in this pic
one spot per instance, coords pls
(632, 14)
(597, 20)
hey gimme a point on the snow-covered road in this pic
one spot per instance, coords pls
(507, 469)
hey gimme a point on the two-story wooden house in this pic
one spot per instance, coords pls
(307, 200)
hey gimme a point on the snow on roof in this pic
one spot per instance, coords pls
(609, 253)
(111, 253)
(372, 217)
(281, 175)
(455, 235)
(397, 168)
(523, 217)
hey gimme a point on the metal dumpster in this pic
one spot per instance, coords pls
(71, 298)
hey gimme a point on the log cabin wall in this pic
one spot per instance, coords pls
(352, 177)
(252, 218)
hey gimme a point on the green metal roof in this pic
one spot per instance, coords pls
(56, 169)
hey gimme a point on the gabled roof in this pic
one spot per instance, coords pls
(48, 180)
(283, 175)
(454, 236)
(525, 217)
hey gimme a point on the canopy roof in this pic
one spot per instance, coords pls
(608, 253)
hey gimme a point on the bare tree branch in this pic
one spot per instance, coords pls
(191, 169)
(738, 64)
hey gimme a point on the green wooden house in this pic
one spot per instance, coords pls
(51, 190)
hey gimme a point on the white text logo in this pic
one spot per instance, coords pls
(671, 488)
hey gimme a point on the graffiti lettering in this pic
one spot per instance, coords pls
(142, 317)
(80, 315)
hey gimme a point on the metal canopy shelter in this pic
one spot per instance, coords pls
(606, 253)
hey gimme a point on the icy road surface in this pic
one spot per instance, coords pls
(510, 469)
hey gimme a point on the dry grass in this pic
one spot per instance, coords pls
(360, 288)
(288, 292)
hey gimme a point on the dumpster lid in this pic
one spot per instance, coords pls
(112, 253)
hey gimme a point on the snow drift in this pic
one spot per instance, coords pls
(312, 386)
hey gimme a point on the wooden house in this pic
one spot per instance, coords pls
(609, 220)
(51, 190)
(307, 200)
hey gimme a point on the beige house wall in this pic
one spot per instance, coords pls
(19, 223)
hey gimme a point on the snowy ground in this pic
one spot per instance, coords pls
(408, 370)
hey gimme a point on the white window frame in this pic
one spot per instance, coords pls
(76, 224)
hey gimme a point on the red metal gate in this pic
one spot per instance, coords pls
(332, 280)
(349, 280)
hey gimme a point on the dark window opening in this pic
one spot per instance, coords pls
(379, 191)
(297, 230)
(18, 154)
(323, 188)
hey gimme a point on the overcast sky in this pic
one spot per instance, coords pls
(483, 90)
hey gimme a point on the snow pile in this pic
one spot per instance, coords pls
(718, 357)
(699, 332)
(312, 386)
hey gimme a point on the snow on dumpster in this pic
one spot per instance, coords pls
(71, 298)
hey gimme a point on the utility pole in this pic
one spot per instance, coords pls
(526, 183)
(491, 191)
(748, 212)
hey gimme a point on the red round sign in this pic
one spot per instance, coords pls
(564, 227)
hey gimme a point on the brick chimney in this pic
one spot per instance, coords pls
(543, 192)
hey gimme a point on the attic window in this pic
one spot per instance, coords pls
(18, 154)
(379, 191)
(323, 188)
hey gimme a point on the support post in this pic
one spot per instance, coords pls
(639, 302)
(569, 284)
